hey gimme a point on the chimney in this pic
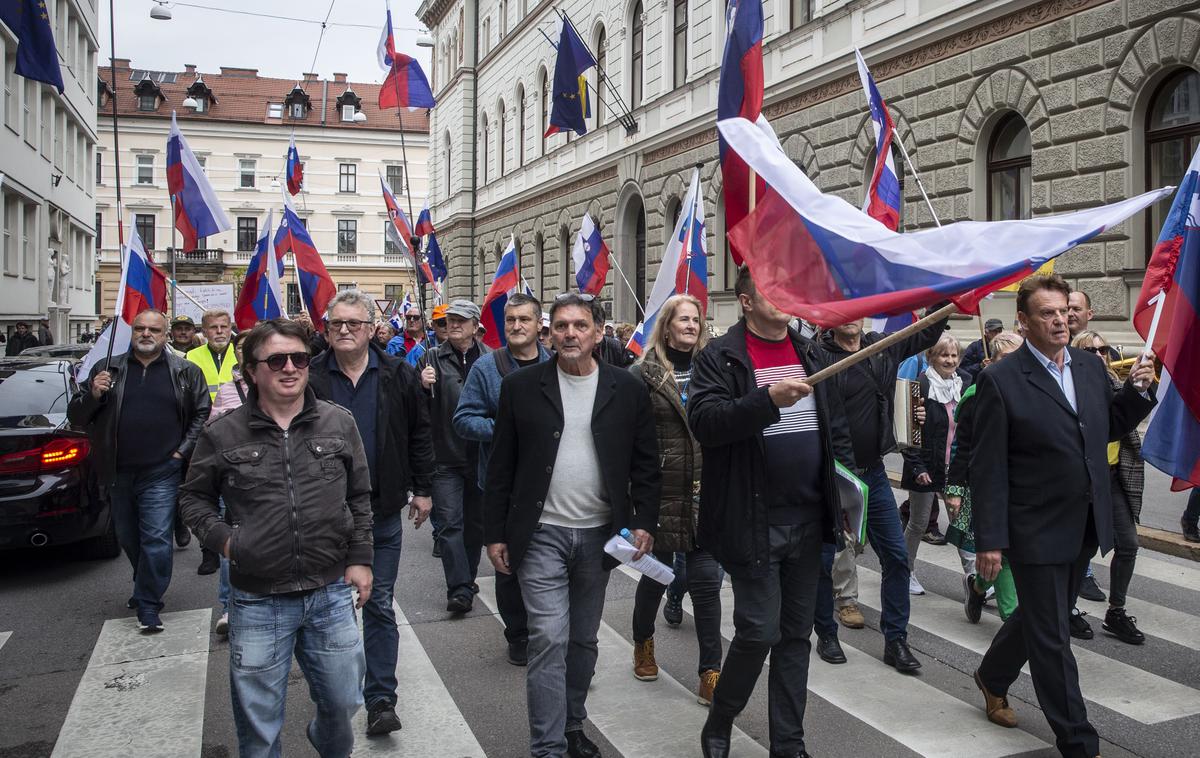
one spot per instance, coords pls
(310, 77)
(246, 73)
(189, 68)
(120, 63)
(339, 78)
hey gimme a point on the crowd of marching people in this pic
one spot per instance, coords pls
(295, 452)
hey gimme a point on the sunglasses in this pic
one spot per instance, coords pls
(276, 361)
(439, 322)
(412, 318)
(1102, 350)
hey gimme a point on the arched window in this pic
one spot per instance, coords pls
(801, 12)
(635, 61)
(520, 125)
(448, 162)
(500, 119)
(898, 163)
(483, 148)
(639, 248)
(680, 49)
(539, 263)
(1172, 134)
(1008, 170)
(672, 217)
(544, 124)
(601, 43)
(564, 259)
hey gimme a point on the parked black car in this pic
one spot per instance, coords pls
(48, 492)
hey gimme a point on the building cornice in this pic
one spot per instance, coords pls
(431, 12)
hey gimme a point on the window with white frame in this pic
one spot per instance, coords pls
(347, 177)
(47, 124)
(247, 233)
(10, 89)
(28, 239)
(395, 178)
(246, 169)
(348, 112)
(144, 169)
(680, 50)
(298, 110)
(12, 209)
(274, 110)
(147, 102)
(389, 241)
(29, 108)
(347, 236)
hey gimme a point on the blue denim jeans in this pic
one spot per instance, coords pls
(887, 539)
(563, 580)
(381, 639)
(320, 628)
(223, 574)
(458, 505)
(143, 508)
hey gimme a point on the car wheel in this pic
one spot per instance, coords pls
(103, 547)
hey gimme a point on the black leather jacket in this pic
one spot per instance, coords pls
(100, 417)
(449, 449)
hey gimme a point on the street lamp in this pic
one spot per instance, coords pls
(360, 117)
(424, 40)
(190, 102)
(160, 11)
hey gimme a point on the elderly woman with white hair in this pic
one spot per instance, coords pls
(925, 467)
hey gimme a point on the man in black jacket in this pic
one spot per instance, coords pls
(384, 395)
(21, 339)
(868, 392)
(457, 501)
(1041, 496)
(974, 355)
(768, 503)
(297, 532)
(574, 460)
(143, 414)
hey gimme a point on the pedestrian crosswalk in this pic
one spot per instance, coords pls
(138, 691)
(4, 638)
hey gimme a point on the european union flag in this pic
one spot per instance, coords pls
(37, 58)
(571, 103)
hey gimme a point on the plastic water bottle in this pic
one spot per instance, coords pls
(628, 536)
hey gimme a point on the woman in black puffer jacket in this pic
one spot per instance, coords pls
(666, 367)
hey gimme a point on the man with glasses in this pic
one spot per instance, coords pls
(457, 500)
(383, 393)
(142, 412)
(297, 532)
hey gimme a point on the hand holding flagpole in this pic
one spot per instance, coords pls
(1158, 301)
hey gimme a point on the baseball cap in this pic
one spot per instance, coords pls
(439, 311)
(183, 320)
(993, 323)
(463, 309)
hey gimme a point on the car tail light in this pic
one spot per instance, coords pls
(58, 453)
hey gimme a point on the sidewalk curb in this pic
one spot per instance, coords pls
(1149, 538)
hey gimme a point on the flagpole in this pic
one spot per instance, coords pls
(171, 252)
(112, 72)
(613, 259)
(406, 180)
(883, 344)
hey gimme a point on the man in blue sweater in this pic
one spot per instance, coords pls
(475, 419)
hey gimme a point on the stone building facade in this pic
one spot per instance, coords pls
(1007, 109)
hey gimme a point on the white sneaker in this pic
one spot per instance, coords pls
(991, 594)
(914, 587)
(223, 625)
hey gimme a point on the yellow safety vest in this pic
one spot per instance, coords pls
(203, 358)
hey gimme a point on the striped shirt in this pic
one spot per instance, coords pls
(794, 455)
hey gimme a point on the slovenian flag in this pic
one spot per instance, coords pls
(1172, 442)
(405, 85)
(295, 169)
(506, 282)
(197, 211)
(817, 257)
(316, 286)
(424, 222)
(591, 257)
(882, 201)
(134, 295)
(740, 95)
(261, 297)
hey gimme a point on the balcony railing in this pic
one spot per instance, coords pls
(347, 257)
(196, 256)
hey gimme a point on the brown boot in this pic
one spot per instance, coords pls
(851, 617)
(998, 710)
(644, 667)
(708, 684)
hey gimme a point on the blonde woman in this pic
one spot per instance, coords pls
(925, 467)
(666, 367)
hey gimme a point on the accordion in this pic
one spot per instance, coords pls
(908, 400)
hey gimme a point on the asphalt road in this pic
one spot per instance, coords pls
(458, 696)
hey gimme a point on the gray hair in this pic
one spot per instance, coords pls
(213, 314)
(352, 296)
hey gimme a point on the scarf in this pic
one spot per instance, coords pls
(943, 390)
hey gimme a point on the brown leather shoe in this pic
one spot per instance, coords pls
(644, 666)
(998, 710)
(851, 617)
(708, 683)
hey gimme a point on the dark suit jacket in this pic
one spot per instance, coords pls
(529, 423)
(1037, 467)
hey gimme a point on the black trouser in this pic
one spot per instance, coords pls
(512, 608)
(704, 585)
(1039, 632)
(1125, 541)
(774, 614)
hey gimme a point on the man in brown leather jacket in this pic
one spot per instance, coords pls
(297, 532)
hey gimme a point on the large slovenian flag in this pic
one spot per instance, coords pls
(882, 201)
(740, 95)
(817, 257)
(590, 255)
(197, 211)
(1172, 442)
(134, 295)
(295, 169)
(506, 282)
(684, 266)
(405, 85)
(316, 286)
(261, 297)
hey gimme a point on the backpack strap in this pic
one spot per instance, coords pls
(504, 362)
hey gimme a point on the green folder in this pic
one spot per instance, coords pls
(852, 492)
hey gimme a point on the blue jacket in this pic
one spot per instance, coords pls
(475, 418)
(395, 346)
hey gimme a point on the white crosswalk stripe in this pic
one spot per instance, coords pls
(4, 638)
(640, 719)
(1130, 691)
(1154, 620)
(854, 688)
(1178, 574)
(433, 724)
(141, 694)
